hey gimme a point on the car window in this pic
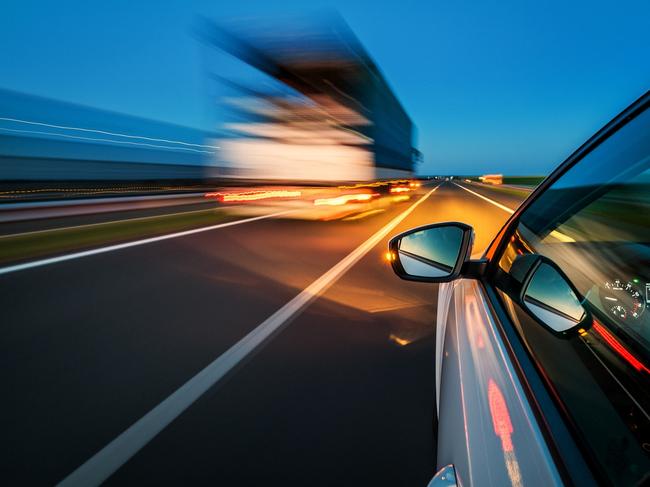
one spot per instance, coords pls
(594, 222)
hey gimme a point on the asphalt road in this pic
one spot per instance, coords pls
(342, 394)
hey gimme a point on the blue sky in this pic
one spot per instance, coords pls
(508, 86)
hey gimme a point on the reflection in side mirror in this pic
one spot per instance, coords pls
(548, 295)
(433, 253)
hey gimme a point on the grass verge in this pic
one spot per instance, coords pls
(30, 245)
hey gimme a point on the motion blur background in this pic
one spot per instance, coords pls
(506, 87)
(175, 174)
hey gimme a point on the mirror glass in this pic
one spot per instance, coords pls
(550, 298)
(432, 252)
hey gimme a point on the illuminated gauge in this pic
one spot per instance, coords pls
(623, 299)
(619, 311)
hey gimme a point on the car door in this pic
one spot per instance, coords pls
(543, 345)
(520, 403)
(593, 220)
(486, 426)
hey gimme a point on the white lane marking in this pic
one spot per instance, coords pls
(101, 465)
(554, 233)
(126, 245)
(498, 205)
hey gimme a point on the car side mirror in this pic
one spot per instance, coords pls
(432, 253)
(548, 295)
(446, 477)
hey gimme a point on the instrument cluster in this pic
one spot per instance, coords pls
(625, 299)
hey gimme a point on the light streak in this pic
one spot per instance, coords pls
(474, 321)
(503, 429)
(403, 197)
(96, 139)
(104, 132)
(253, 195)
(344, 199)
(619, 347)
(400, 341)
(500, 416)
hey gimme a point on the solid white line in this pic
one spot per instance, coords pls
(126, 245)
(100, 466)
(498, 205)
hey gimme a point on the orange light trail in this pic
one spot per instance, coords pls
(400, 341)
(399, 189)
(402, 197)
(344, 199)
(253, 195)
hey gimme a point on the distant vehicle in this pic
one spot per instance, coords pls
(543, 343)
(495, 179)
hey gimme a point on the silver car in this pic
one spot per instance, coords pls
(543, 343)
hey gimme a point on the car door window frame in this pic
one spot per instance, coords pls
(564, 438)
(499, 243)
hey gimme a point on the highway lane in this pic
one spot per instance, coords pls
(346, 391)
(94, 216)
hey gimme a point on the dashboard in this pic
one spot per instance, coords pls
(619, 286)
(625, 299)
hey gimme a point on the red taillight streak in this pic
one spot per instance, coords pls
(500, 416)
(619, 348)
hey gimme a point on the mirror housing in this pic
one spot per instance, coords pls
(446, 477)
(432, 253)
(548, 295)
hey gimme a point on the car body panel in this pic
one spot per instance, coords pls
(445, 293)
(487, 429)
